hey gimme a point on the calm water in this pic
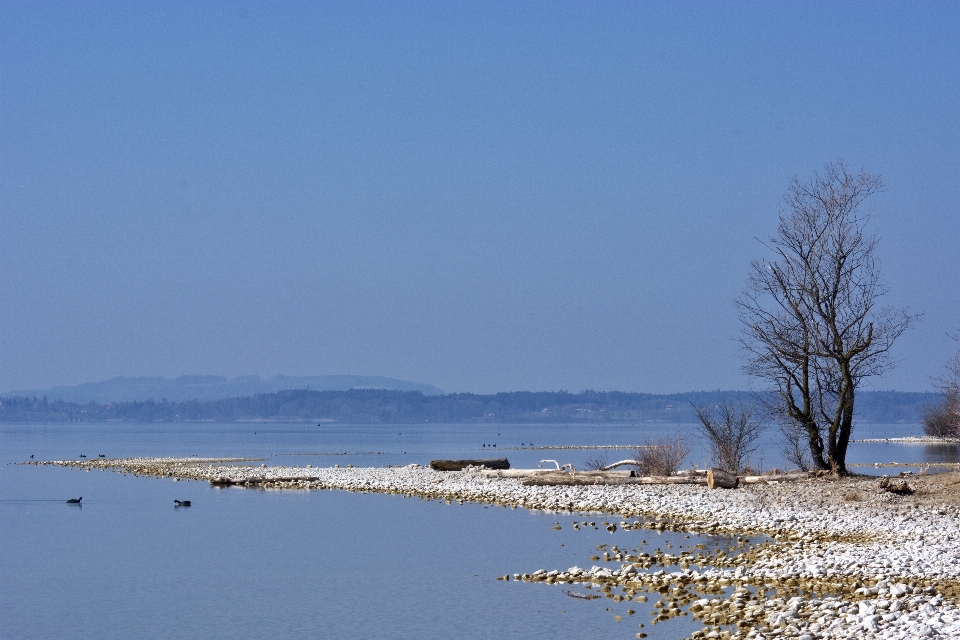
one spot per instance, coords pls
(284, 564)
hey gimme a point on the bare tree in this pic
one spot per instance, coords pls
(811, 325)
(732, 432)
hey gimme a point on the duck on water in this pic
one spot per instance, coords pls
(75, 500)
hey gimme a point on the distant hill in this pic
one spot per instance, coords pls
(125, 389)
(384, 405)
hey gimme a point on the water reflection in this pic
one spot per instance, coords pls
(941, 453)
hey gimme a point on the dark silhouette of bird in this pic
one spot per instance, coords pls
(181, 503)
(75, 500)
(31, 455)
(101, 456)
(82, 456)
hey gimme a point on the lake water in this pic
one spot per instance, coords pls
(291, 564)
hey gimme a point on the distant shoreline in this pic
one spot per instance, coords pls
(370, 406)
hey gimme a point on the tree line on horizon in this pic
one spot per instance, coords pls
(380, 406)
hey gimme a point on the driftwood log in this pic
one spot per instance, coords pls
(782, 477)
(699, 477)
(229, 482)
(459, 465)
(622, 463)
(547, 478)
(513, 473)
(582, 478)
(719, 479)
(701, 480)
(568, 478)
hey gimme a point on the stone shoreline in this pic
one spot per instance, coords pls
(883, 565)
(913, 440)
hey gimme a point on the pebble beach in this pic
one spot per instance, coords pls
(830, 558)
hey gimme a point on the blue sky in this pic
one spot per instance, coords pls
(480, 196)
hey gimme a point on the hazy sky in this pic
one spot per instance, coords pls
(480, 196)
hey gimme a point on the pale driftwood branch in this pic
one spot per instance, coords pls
(622, 463)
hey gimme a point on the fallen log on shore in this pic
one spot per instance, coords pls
(782, 477)
(720, 479)
(230, 482)
(459, 465)
(667, 480)
(513, 473)
(714, 478)
(553, 478)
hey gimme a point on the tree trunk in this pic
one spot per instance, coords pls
(843, 426)
(816, 448)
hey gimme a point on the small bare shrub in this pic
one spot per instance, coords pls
(796, 448)
(852, 496)
(943, 420)
(663, 457)
(732, 431)
(596, 463)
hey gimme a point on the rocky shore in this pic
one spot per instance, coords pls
(842, 558)
(934, 440)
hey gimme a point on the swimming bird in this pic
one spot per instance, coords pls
(82, 456)
(75, 500)
(101, 456)
(181, 503)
